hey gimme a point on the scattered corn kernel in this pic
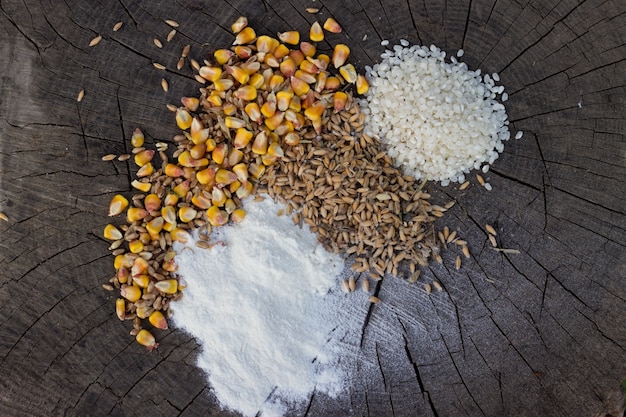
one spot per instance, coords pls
(145, 338)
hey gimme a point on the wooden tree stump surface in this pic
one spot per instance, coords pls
(540, 333)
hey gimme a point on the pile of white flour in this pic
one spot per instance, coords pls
(265, 306)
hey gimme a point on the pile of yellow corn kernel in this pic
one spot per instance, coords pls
(261, 95)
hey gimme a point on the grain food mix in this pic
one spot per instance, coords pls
(276, 116)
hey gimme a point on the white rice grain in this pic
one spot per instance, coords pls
(438, 119)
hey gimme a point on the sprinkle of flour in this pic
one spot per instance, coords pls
(266, 308)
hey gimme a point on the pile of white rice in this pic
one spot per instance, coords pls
(438, 119)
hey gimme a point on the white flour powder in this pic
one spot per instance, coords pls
(260, 307)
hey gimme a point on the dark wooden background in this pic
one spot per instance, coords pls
(541, 333)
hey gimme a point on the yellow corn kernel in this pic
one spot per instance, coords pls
(274, 150)
(268, 109)
(112, 233)
(264, 44)
(219, 153)
(170, 199)
(308, 49)
(218, 197)
(297, 56)
(234, 122)
(244, 190)
(276, 81)
(257, 81)
(185, 159)
(243, 52)
(135, 213)
(139, 266)
(182, 189)
(274, 121)
(295, 104)
(241, 171)
(284, 128)
(200, 136)
(238, 215)
(239, 24)
(256, 170)
(135, 246)
(197, 152)
(238, 73)
(172, 170)
(206, 175)
(339, 101)
(141, 186)
(287, 67)
(283, 98)
(229, 109)
(216, 216)
(122, 275)
(305, 76)
(137, 139)
(321, 81)
(146, 170)
(201, 201)
(223, 84)
(157, 319)
(180, 235)
(251, 67)
(340, 55)
(145, 338)
(155, 226)
(210, 73)
(233, 187)
(271, 61)
(315, 111)
(152, 202)
(317, 125)
(316, 34)
(120, 308)
(190, 103)
(169, 214)
(168, 227)
(348, 72)
(300, 88)
(332, 26)
(214, 99)
(222, 56)
(229, 206)
(268, 160)
(186, 214)
(291, 37)
(144, 157)
(131, 292)
(225, 177)
(259, 146)
(117, 262)
(254, 112)
(332, 83)
(169, 263)
(183, 119)
(362, 86)
(281, 51)
(234, 157)
(291, 138)
(245, 36)
(210, 144)
(247, 93)
(309, 66)
(141, 281)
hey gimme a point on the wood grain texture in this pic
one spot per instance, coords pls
(542, 332)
